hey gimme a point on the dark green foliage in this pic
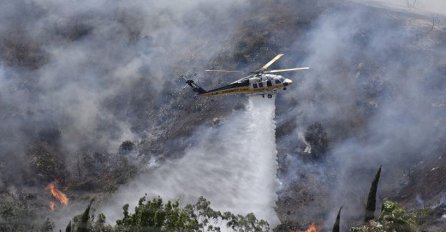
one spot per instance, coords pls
(16, 215)
(283, 227)
(157, 215)
(336, 226)
(85, 222)
(245, 223)
(47, 226)
(85, 218)
(68, 229)
(99, 224)
(393, 218)
(371, 199)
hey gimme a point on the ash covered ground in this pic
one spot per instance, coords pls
(90, 96)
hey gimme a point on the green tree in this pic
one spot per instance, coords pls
(47, 226)
(393, 218)
(157, 215)
(371, 199)
(337, 225)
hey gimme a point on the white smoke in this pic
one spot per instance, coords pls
(417, 6)
(373, 86)
(84, 58)
(233, 165)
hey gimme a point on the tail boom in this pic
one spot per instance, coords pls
(196, 88)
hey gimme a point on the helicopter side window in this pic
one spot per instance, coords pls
(268, 83)
(255, 86)
(277, 81)
(260, 85)
(245, 82)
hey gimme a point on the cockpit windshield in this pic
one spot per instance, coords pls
(279, 80)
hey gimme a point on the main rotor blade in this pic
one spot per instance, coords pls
(287, 70)
(221, 70)
(271, 62)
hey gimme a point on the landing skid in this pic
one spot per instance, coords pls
(268, 95)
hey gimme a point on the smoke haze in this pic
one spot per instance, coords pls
(232, 164)
(377, 86)
(423, 6)
(83, 76)
(73, 67)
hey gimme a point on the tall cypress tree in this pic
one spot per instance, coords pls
(371, 199)
(336, 226)
(68, 229)
(83, 224)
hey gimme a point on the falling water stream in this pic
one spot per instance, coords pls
(233, 165)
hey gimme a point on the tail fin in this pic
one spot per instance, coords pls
(195, 87)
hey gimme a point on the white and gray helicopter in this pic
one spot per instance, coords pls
(260, 82)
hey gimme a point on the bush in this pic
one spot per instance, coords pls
(393, 218)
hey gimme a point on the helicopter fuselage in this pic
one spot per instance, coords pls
(260, 84)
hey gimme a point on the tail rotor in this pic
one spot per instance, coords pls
(189, 82)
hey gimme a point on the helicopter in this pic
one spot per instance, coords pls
(260, 82)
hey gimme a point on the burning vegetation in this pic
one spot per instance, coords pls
(57, 194)
(312, 228)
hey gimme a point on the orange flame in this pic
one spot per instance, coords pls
(57, 194)
(312, 228)
(52, 205)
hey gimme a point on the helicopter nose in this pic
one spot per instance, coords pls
(287, 82)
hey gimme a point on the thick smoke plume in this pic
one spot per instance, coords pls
(85, 76)
(377, 86)
(233, 164)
